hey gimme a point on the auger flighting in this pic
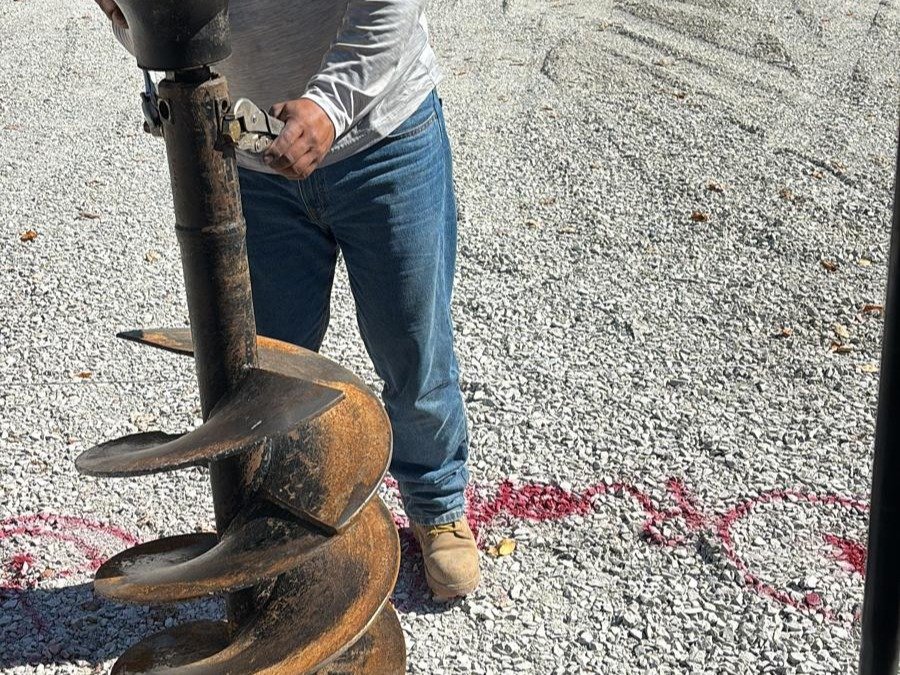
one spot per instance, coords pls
(296, 446)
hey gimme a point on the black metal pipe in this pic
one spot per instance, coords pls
(880, 648)
(211, 233)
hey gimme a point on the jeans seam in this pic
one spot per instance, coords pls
(319, 184)
(417, 130)
(449, 517)
(311, 213)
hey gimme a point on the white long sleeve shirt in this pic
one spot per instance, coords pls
(367, 63)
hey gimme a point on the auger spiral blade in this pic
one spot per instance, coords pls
(267, 406)
(376, 651)
(305, 553)
(314, 612)
(348, 447)
(260, 544)
(275, 355)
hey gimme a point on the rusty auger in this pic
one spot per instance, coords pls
(296, 446)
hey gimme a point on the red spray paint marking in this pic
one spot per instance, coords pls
(850, 553)
(533, 502)
(60, 528)
(540, 502)
(19, 565)
(725, 522)
(20, 571)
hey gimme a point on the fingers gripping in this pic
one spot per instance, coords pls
(305, 140)
(288, 147)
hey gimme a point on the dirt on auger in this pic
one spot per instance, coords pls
(305, 553)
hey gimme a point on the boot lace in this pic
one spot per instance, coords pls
(444, 528)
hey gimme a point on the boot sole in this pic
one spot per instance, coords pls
(445, 593)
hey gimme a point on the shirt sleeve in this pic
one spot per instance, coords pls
(362, 60)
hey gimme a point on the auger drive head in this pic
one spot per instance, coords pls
(305, 553)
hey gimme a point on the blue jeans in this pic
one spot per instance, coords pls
(391, 211)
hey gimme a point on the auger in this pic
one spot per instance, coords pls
(305, 553)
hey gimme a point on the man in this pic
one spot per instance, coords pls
(362, 166)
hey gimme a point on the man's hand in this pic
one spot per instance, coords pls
(113, 13)
(306, 138)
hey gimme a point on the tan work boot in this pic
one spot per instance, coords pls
(451, 558)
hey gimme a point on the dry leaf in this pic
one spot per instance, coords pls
(680, 95)
(838, 348)
(786, 194)
(84, 374)
(47, 573)
(715, 186)
(785, 332)
(829, 265)
(869, 367)
(151, 256)
(699, 216)
(817, 174)
(28, 235)
(869, 308)
(504, 548)
(864, 262)
(88, 215)
(841, 331)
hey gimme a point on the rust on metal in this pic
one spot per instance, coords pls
(379, 650)
(259, 545)
(266, 408)
(305, 553)
(275, 355)
(313, 612)
(356, 427)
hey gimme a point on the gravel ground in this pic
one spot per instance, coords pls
(674, 228)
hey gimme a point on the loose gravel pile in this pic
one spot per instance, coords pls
(674, 230)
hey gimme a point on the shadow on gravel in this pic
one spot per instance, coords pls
(70, 625)
(411, 593)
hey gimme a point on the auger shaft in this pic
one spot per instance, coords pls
(305, 552)
(211, 232)
(212, 237)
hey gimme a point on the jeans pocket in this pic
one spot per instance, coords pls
(417, 123)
